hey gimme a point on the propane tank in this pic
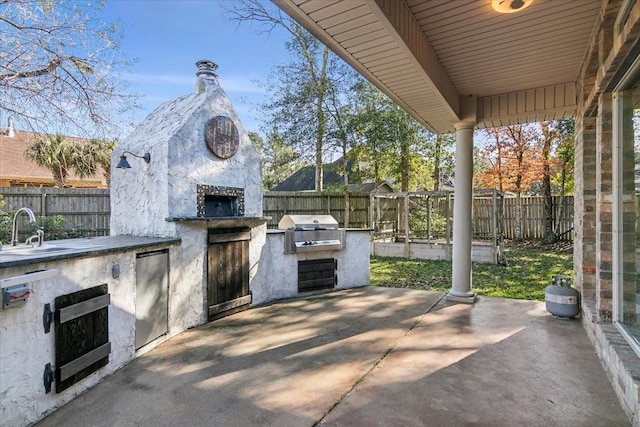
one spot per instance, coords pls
(561, 299)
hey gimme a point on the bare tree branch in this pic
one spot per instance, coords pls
(58, 65)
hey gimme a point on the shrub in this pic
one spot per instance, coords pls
(53, 227)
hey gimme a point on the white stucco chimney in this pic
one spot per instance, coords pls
(206, 75)
(202, 165)
(11, 131)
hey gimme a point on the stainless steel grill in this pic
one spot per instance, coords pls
(311, 233)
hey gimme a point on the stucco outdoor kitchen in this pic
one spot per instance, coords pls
(188, 244)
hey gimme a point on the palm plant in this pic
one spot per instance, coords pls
(55, 154)
(60, 156)
(91, 155)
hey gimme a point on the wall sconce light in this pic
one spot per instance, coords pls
(124, 164)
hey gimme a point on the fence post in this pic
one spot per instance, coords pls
(494, 215)
(405, 219)
(371, 219)
(429, 219)
(448, 217)
(43, 204)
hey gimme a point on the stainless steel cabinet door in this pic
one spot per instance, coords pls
(152, 291)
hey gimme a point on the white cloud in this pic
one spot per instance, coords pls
(176, 79)
(240, 85)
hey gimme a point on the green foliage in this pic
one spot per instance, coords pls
(5, 222)
(54, 153)
(557, 183)
(256, 141)
(5, 228)
(62, 155)
(279, 159)
(53, 227)
(80, 232)
(529, 272)
(392, 145)
(563, 182)
(88, 156)
(418, 224)
(299, 89)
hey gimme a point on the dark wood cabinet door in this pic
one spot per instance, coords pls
(228, 275)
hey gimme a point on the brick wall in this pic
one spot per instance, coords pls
(604, 208)
(585, 207)
(610, 51)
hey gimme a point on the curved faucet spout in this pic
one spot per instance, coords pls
(14, 228)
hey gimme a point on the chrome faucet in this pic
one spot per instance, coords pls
(14, 228)
(39, 235)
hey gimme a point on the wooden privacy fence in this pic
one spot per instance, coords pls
(533, 217)
(279, 203)
(86, 211)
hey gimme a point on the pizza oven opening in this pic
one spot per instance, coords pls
(220, 206)
(218, 202)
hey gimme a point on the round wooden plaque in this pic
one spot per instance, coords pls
(221, 136)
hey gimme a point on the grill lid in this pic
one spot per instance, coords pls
(308, 222)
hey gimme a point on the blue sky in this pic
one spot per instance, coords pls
(167, 37)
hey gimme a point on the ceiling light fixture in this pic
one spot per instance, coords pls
(510, 6)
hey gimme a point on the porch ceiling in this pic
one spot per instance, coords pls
(446, 61)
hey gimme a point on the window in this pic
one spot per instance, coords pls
(626, 192)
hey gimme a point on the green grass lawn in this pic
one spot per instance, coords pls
(531, 269)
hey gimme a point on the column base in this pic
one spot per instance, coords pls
(467, 299)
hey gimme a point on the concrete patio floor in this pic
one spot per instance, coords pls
(363, 357)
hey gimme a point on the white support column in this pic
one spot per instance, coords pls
(462, 226)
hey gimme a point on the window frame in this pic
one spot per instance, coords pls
(631, 77)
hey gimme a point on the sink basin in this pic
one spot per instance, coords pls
(28, 250)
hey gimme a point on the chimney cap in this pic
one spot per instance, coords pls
(10, 131)
(206, 68)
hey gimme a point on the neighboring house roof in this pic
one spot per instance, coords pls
(446, 182)
(18, 170)
(304, 179)
(371, 187)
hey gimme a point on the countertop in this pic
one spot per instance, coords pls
(80, 248)
(222, 221)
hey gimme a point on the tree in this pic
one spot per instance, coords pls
(443, 157)
(548, 135)
(372, 143)
(565, 155)
(515, 158)
(55, 154)
(58, 68)
(391, 141)
(299, 89)
(279, 160)
(256, 141)
(341, 111)
(493, 176)
(317, 103)
(90, 155)
(62, 155)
